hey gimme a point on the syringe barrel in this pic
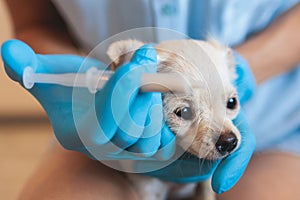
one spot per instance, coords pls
(95, 79)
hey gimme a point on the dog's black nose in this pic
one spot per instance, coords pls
(226, 143)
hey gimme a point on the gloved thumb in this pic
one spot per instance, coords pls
(230, 170)
(17, 56)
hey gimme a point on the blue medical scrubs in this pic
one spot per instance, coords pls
(273, 112)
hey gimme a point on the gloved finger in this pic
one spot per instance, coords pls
(119, 93)
(149, 142)
(146, 144)
(133, 123)
(102, 153)
(232, 167)
(146, 55)
(146, 147)
(167, 144)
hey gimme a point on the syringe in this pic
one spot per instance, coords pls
(95, 79)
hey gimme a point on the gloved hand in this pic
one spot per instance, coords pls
(227, 172)
(245, 81)
(107, 125)
(74, 123)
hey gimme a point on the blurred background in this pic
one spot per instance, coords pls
(24, 128)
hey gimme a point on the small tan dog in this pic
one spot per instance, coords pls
(201, 118)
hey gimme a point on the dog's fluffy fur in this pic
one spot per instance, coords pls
(199, 118)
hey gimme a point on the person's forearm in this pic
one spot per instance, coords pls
(47, 40)
(38, 23)
(276, 49)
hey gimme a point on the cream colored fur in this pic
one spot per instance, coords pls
(206, 62)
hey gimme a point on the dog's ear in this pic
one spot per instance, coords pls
(122, 51)
(229, 58)
(231, 63)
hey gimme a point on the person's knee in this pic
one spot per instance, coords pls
(269, 176)
(69, 175)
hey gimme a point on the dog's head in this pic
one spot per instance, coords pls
(202, 117)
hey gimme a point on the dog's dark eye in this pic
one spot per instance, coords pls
(232, 103)
(184, 113)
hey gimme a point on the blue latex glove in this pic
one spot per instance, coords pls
(227, 172)
(245, 81)
(115, 126)
(154, 145)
